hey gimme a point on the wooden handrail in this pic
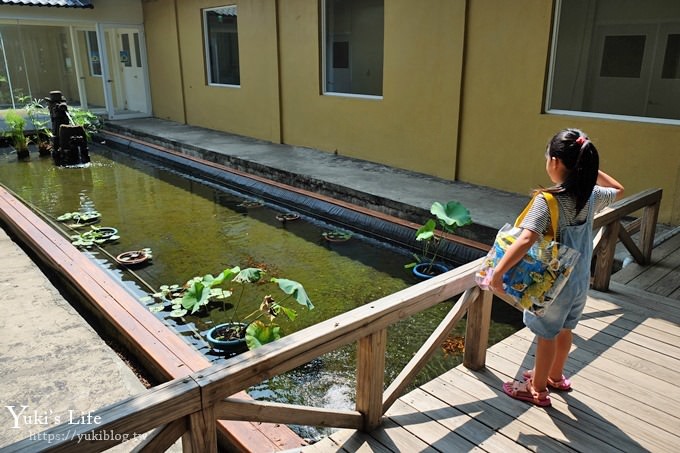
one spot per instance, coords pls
(613, 230)
(190, 406)
(212, 386)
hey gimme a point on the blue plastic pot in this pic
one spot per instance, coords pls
(429, 270)
(213, 337)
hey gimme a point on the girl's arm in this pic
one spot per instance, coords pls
(512, 256)
(604, 180)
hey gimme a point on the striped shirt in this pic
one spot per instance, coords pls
(538, 217)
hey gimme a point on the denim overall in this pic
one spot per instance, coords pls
(566, 309)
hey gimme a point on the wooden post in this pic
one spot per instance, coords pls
(477, 331)
(371, 378)
(201, 437)
(605, 259)
(650, 214)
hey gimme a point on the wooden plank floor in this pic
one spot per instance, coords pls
(625, 367)
(663, 277)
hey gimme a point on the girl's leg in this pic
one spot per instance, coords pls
(545, 357)
(551, 355)
(562, 348)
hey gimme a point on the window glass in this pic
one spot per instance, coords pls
(125, 53)
(353, 49)
(671, 61)
(93, 52)
(34, 60)
(138, 55)
(221, 44)
(616, 58)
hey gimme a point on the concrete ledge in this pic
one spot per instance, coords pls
(393, 191)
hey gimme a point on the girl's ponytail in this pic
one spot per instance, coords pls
(580, 157)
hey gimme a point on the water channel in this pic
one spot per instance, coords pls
(196, 227)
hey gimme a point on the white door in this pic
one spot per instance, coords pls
(130, 61)
(126, 77)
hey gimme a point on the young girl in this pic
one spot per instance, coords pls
(581, 189)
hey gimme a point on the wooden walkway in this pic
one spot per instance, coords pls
(625, 369)
(663, 278)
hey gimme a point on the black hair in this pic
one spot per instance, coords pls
(580, 157)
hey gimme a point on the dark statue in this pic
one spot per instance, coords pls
(69, 142)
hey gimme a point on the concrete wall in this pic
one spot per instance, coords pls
(464, 88)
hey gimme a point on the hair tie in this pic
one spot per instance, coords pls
(581, 139)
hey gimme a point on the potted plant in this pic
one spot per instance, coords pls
(79, 219)
(236, 334)
(40, 118)
(336, 236)
(448, 217)
(96, 235)
(16, 133)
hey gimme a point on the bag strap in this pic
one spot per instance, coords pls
(554, 214)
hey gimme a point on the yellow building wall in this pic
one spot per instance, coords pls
(463, 92)
(163, 57)
(504, 130)
(251, 109)
(415, 124)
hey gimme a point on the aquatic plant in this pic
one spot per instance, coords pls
(448, 217)
(258, 327)
(97, 235)
(336, 235)
(88, 120)
(39, 117)
(79, 219)
(16, 133)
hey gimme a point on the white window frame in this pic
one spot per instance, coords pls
(324, 65)
(206, 41)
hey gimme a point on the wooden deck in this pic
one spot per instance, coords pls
(625, 367)
(663, 278)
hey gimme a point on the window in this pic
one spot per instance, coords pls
(353, 49)
(622, 56)
(617, 58)
(671, 61)
(221, 46)
(93, 53)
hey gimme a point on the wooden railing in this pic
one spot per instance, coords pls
(189, 407)
(612, 229)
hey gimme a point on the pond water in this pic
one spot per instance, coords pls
(196, 228)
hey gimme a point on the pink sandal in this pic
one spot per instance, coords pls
(564, 384)
(524, 391)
